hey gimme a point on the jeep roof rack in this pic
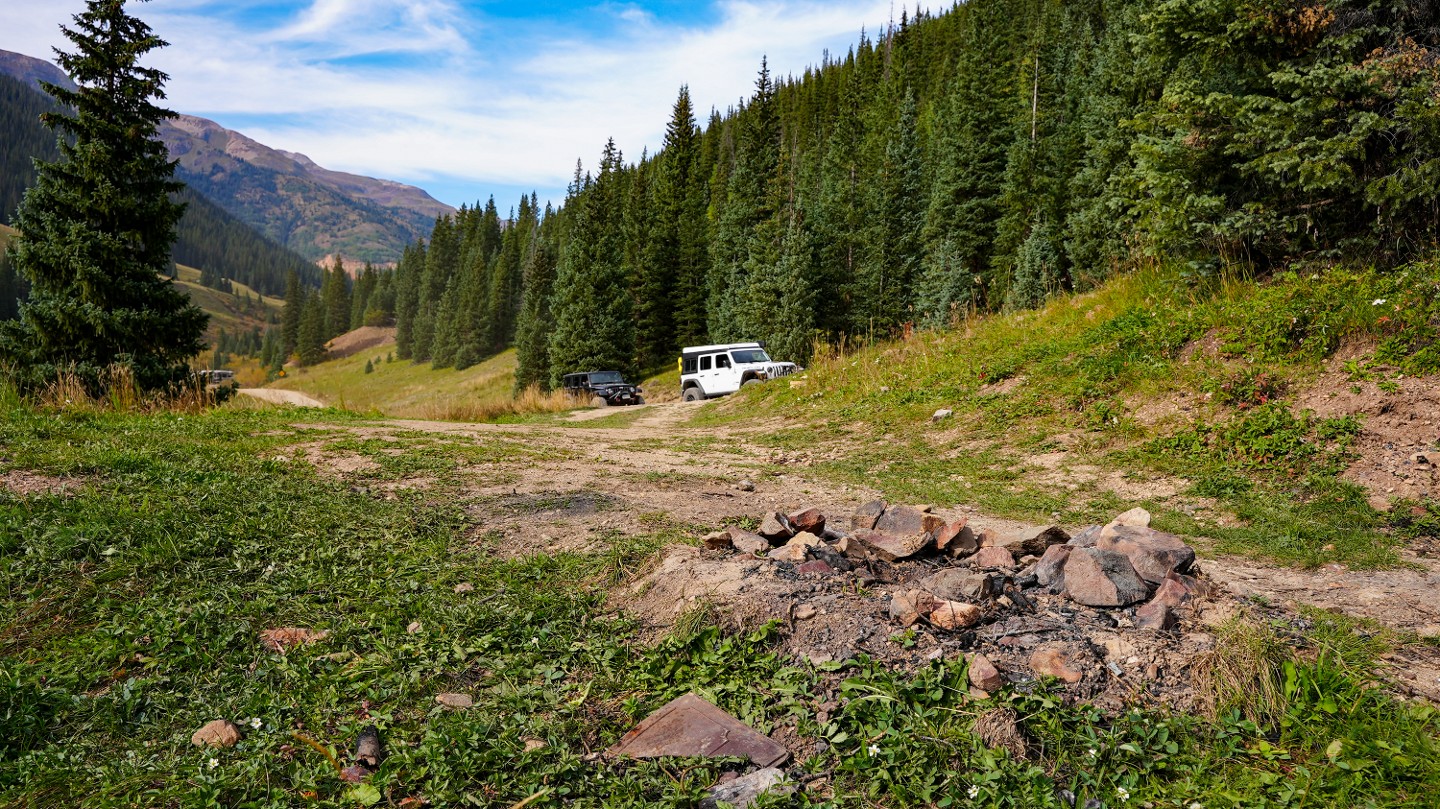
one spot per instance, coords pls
(694, 351)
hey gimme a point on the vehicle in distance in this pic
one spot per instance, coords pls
(602, 388)
(709, 371)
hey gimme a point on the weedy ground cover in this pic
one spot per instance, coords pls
(132, 608)
(1224, 358)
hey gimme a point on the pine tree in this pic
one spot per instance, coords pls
(98, 225)
(295, 295)
(532, 333)
(312, 331)
(335, 294)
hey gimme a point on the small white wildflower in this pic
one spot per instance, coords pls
(974, 792)
(256, 722)
(1094, 752)
(213, 763)
(874, 749)
(1378, 302)
(1122, 793)
(534, 641)
(1197, 805)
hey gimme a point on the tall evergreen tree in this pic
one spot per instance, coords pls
(98, 225)
(532, 333)
(295, 295)
(335, 295)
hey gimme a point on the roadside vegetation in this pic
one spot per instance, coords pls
(135, 600)
(1151, 376)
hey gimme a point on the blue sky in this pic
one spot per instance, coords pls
(465, 98)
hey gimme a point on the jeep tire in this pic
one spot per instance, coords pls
(693, 395)
(598, 401)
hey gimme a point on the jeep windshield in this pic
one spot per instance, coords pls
(745, 355)
(607, 378)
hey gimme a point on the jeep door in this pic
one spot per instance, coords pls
(727, 378)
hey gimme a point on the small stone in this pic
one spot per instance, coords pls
(217, 733)
(464, 587)
(1052, 663)
(1086, 537)
(794, 554)
(775, 527)
(954, 537)
(809, 519)
(942, 413)
(959, 584)
(866, 516)
(817, 566)
(892, 547)
(414, 628)
(1135, 518)
(531, 745)
(902, 520)
(993, 557)
(456, 701)
(1034, 541)
(907, 607)
(746, 485)
(1172, 592)
(805, 612)
(983, 674)
(719, 540)
(747, 541)
(1050, 570)
(952, 615)
(742, 792)
(1156, 616)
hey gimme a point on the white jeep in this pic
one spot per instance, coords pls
(708, 371)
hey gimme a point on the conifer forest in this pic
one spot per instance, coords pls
(978, 159)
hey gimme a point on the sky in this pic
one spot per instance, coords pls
(465, 98)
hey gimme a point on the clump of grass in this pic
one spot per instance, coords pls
(530, 401)
(115, 391)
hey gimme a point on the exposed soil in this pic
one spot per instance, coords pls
(361, 339)
(27, 484)
(585, 485)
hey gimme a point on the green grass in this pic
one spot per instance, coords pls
(399, 388)
(130, 612)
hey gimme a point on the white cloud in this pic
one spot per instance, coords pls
(416, 89)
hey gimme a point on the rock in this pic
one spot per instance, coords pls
(960, 584)
(1173, 592)
(747, 541)
(907, 607)
(1098, 578)
(775, 527)
(1156, 615)
(794, 554)
(815, 566)
(955, 537)
(932, 523)
(993, 557)
(1135, 518)
(531, 745)
(942, 413)
(414, 628)
(1086, 537)
(831, 556)
(368, 752)
(464, 587)
(1051, 662)
(1050, 570)
(745, 790)
(902, 520)
(746, 485)
(809, 519)
(805, 612)
(891, 547)
(456, 701)
(218, 733)
(865, 516)
(983, 674)
(719, 540)
(1034, 541)
(1154, 554)
(955, 615)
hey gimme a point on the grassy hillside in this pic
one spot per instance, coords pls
(229, 311)
(403, 389)
(1193, 399)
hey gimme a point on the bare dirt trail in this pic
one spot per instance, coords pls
(579, 483)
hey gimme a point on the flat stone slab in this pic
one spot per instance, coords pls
(689, 726)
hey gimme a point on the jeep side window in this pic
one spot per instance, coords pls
(722, 361)
(704, 363)
(688, 367)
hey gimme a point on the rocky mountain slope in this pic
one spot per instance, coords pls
(288, 197)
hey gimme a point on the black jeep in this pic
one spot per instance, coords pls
(609, 387)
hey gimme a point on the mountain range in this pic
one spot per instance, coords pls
(314, 211)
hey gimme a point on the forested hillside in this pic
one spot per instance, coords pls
(208, 238)
(983, 158)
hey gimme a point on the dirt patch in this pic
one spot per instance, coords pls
(283, 397)
(27, 484)
(364, 338)
(1399, 422)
